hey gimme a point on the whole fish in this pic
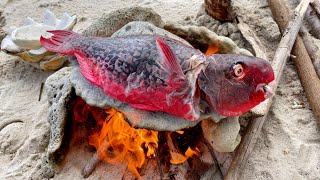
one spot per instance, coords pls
(157, 73)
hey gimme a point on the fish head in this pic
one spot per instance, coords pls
(234, 84)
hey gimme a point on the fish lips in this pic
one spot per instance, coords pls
(268, 89)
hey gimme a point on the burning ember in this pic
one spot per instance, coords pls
(118, 142)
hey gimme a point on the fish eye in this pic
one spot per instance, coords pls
(238, 70)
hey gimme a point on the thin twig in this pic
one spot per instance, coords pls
(40, 93)
(124, 173)
(159, 164)
(91, 165)
(215, 160)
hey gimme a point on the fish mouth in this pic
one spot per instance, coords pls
(268, 89)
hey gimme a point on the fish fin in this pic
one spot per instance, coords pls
(57, 42)
(170, 63)
(85, 68)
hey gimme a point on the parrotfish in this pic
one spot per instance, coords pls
(158, 73)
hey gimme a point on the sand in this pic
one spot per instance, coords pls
(288, 146)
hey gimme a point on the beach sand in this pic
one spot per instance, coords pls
(288, 146)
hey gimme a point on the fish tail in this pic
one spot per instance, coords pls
(59, 42)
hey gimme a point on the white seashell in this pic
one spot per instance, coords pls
(39, 51)
(24, 41)
(8, 45)
(28, 37)
(30, 21)
(50, 19)
(67, 22)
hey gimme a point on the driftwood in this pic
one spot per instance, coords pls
(219, 9)
(281, 56)
(311, 49)
(314, 22)
(251, 37)
(306, 71)
(316, 6)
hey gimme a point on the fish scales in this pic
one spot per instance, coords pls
(129, 69)
(157, 73)
(136, 56)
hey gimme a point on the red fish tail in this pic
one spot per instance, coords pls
(59, 42)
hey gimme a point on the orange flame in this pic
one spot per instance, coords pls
(118, 142)
(176, 157)
(212, 49)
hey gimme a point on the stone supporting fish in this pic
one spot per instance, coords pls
(157, 73)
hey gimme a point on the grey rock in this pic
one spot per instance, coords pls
(108, 24)
(10, 138)
(141, 27)
(202, 36)
(223, 136)
(59, 90)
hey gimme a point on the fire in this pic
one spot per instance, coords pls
(212, 49)
(176, 157)
(118, 142)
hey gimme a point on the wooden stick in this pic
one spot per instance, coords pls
(252, 38)
(314, 22)
(281, 56)
(159, 165)
(211, 150)
(316, 6)
(306, 71)
(92, 164)
(40, 93)
(311, 49)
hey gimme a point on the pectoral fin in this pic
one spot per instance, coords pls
(170, 63)
(86, 68)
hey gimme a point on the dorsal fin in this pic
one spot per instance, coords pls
(169, 63)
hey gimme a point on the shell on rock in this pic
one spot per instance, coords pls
(24, 41)
(27, 37)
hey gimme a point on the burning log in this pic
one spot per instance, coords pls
(219, 9)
